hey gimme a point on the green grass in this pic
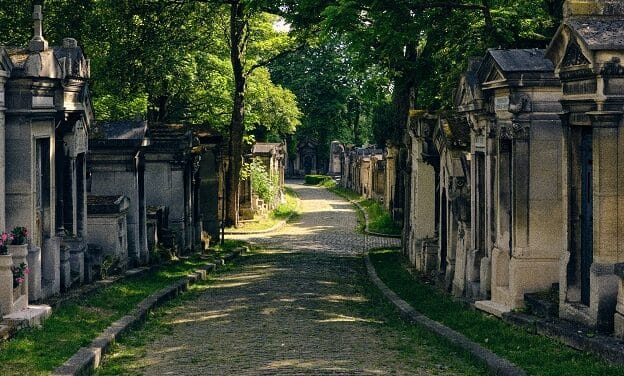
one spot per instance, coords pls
(316, 179)
(75, 324)
(379, 219)
(536, 354)
(282, 212)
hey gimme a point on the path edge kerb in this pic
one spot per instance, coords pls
(496, 364)
(87, 359)
(365, 214)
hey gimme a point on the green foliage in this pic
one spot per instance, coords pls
(262, 183)
(316, 179)
(287, 209)
(379, 219)
(422, 46)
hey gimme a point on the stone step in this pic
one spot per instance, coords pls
(491, 307)
(29, 317)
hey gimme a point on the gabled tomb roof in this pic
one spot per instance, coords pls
(599, 34)
(522, 60)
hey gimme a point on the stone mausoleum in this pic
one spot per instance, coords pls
(45, 115)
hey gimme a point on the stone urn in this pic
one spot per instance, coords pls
(19, 254)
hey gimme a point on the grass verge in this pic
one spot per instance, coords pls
(536, 354)
(38, 351)
(282, 212)
(379, 219)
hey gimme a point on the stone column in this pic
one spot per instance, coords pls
(618, 318)
(34, 278)
(606, 216)
(74, 194)
(19, 253)
(3, 78)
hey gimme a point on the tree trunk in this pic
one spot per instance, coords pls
(238, 28)
(357, 133)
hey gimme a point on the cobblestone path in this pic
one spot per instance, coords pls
(327, 225)
(300, 307)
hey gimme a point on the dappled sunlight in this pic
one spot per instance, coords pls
(199, 319)
(345, 318)
(318, 365)
(244, 277)
(308, 364)
(229, 285)
(343, 298)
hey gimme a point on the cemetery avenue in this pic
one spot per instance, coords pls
(300, 305)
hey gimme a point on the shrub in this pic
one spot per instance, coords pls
(262, 184)
(316, 179)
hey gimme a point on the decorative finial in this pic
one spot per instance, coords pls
(37, 43)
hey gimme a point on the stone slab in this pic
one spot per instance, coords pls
(33, 315)
(491, 307)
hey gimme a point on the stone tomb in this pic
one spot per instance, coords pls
(170, 168)
(108, 228)
(273, 156)
(587, 52)
(117, 167)
(46, 113)
(336, 149)
(521, 175)
(211, 178)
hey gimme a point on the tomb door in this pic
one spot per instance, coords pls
(307, 164)
(42, 191)
(443, 231)
(479, 240)
(586, 212)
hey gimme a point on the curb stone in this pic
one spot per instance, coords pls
(496, 364)
(366, 230)
(365, 214)
(87, 359)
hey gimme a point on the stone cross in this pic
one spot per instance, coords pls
(37, 43)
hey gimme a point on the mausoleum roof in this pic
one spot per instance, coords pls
(265, 148)
(522, 60)
(119, 130)
(599, 34)
(106, 204)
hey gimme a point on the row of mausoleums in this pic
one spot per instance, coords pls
(96, 197)
(521, 190)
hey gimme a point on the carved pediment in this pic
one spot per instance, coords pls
(495, 75)
(574, 56)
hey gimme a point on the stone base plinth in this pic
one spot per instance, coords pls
(491, 307)
(28, 317)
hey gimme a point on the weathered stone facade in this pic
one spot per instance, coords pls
(170, 172)
(45, 114)
(117, 167)
(587, 51)
(531, 203)
(305, 161)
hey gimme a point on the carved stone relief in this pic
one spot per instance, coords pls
(519, 103)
